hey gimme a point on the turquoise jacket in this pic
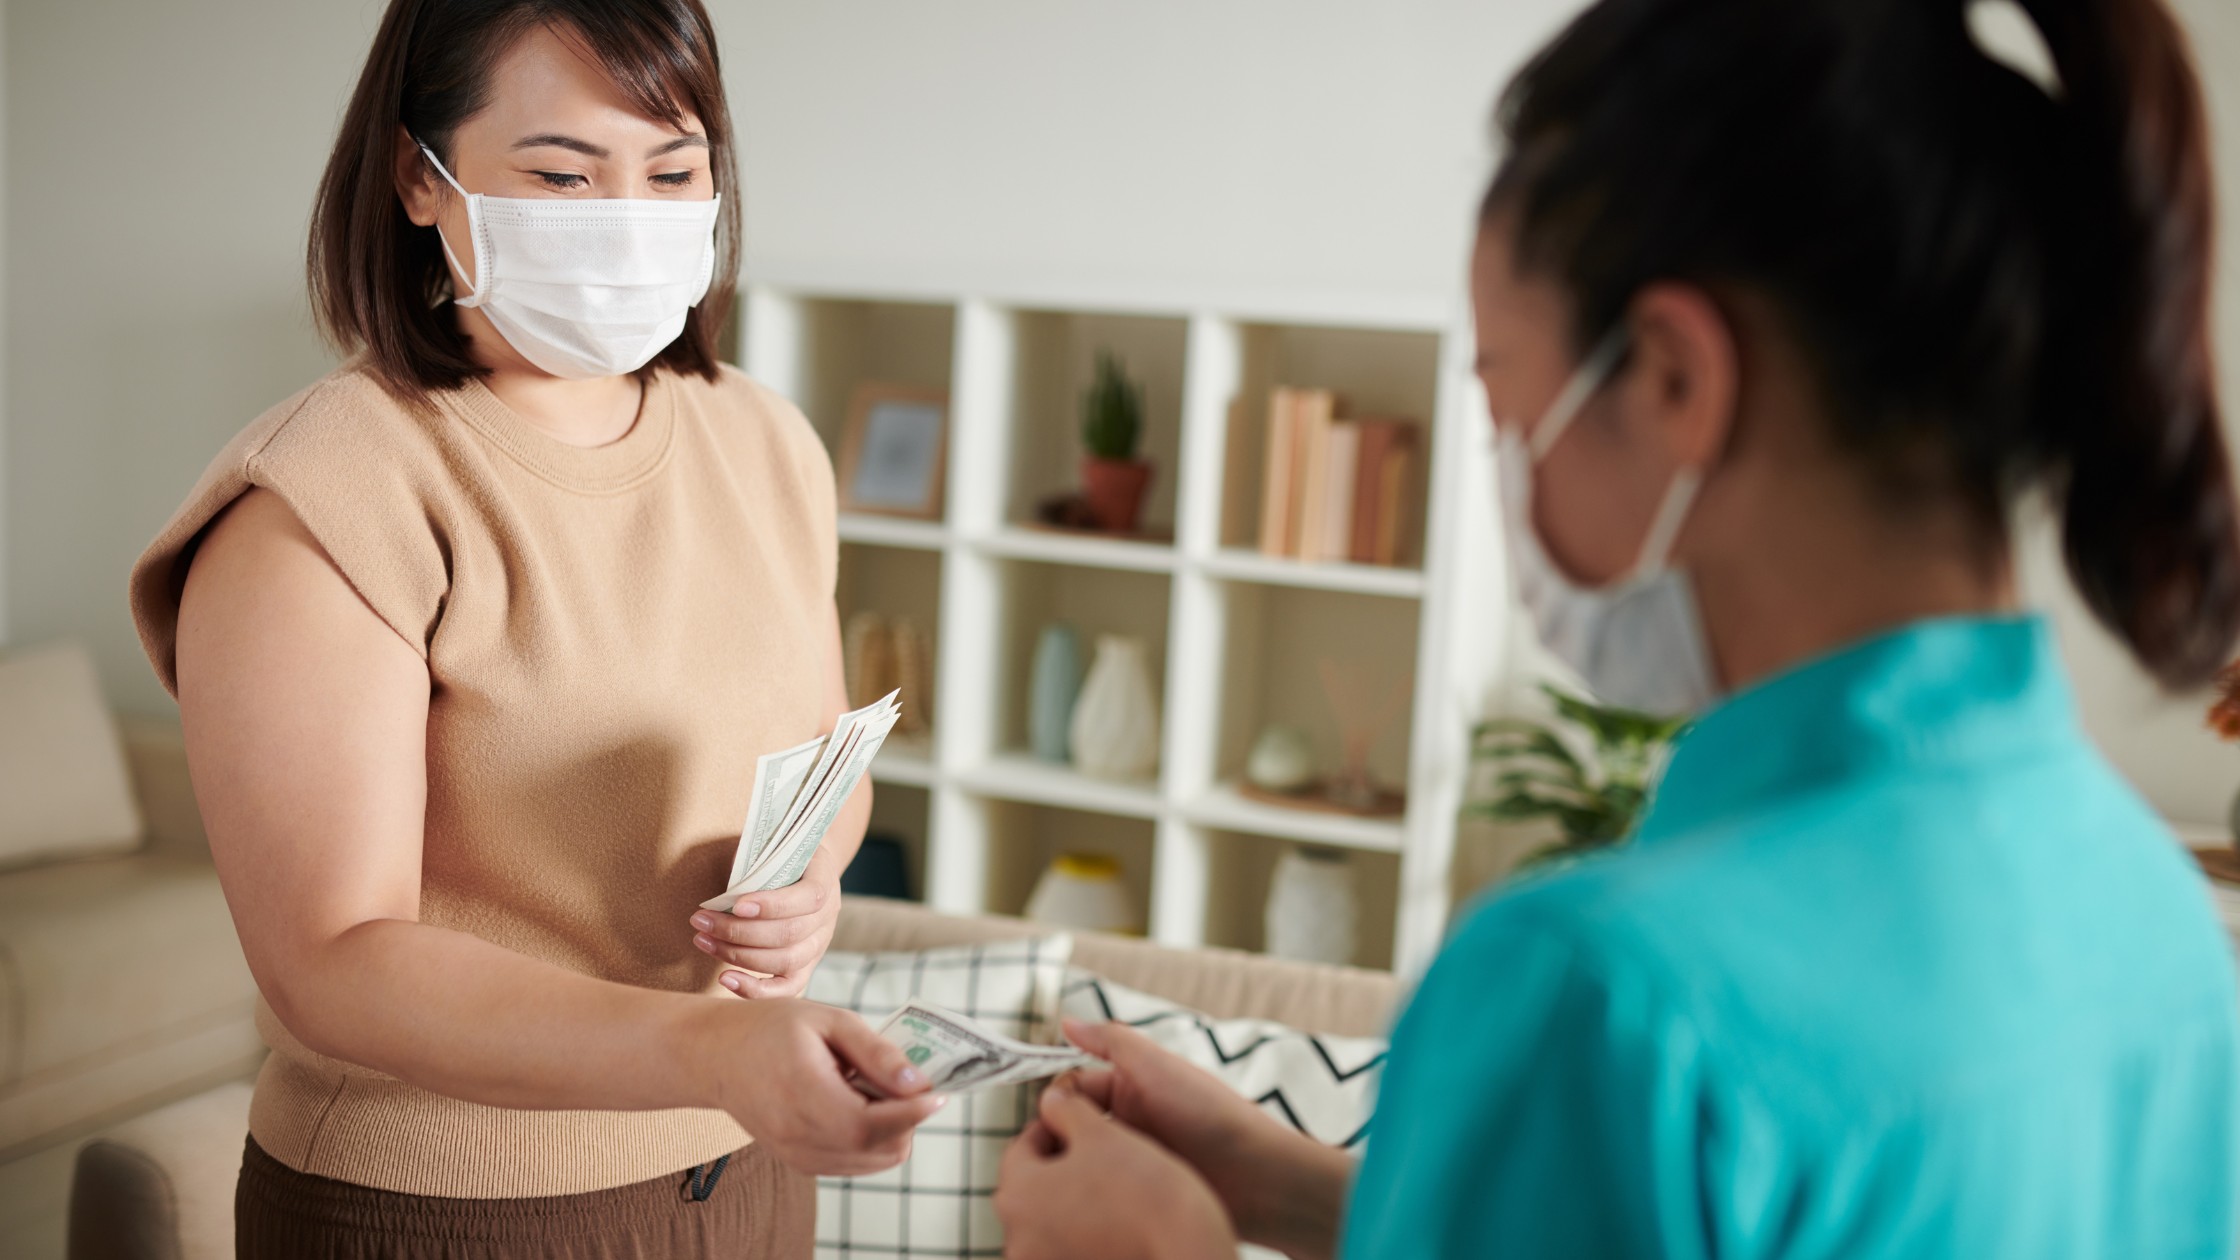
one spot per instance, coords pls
(1897, 966)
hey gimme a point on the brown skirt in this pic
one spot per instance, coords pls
(756, 1209)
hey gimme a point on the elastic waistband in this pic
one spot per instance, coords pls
(280, 1191)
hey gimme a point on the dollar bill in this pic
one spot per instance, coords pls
(786, 860)
(778, 780)
(959, 1056)
(796, 796)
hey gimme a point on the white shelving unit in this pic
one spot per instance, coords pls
(1236, 636)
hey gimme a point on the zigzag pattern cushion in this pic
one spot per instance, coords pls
(1325, 1087)
(938, 1203)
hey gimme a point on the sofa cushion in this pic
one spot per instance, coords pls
(62, 770)
(160, 1187)
(1226, 983)
(939, 1202)
(1324, 1086)
(100, 958)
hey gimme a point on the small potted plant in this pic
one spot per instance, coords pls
(1595, 800)
(1113, 479)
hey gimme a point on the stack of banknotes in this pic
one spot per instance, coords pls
(797, 794)
(959, 1056)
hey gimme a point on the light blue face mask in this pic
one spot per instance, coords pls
(1638, 642)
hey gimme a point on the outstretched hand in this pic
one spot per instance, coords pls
(1081, 1185)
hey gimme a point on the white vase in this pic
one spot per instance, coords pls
(1311, 907)
(1085, 891)
(1116, 720)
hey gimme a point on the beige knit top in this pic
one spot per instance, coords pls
(613, 636)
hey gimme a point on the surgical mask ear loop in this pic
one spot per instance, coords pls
(1583, 385)
(473, 298)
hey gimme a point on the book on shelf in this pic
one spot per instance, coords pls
(1317, 412)
(1338, 492)
(1335, 490)
(1278, 498)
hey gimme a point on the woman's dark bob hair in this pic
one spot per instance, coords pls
(378, 281)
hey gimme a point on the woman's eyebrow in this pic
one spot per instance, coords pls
(550, 140)
(681, 142)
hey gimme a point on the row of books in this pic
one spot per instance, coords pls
(1335, 489)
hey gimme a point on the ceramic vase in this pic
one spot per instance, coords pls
(1312, 907)
(1084, 891)
(1052, 690)
(1116, 721)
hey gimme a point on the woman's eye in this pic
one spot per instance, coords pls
(564, 181)
(674, 179)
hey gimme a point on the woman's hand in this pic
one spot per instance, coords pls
(781, 1068)
(778, 936)
(1080, 1185)
(1281, 1189)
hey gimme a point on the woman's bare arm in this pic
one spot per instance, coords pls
(305, 721)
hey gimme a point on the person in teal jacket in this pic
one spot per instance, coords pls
(1783, 308)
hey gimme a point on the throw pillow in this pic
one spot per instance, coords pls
(62, 769)
(1325, 1087)
(939, 1202)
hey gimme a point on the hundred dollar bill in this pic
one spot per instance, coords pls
(959, 1056)
(778, 780)
(797, 793)
(789, 856)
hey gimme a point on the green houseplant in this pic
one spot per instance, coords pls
(1530, 771)
(1113, 478)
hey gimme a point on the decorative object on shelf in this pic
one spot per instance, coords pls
(1052, 690)
(1312, 908)
(1595, 799)
(879, 869)
(1333, 489)
(1115, 733)
(1282, 760)
(883, 654)
(1113, 479)
(2224, 719)
(1363, 717)
(1085, 891)
(894, 452)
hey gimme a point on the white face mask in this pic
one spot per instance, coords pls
(1638, 642)
(586, 289)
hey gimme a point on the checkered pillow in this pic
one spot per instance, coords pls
(938, 1202)
(1325, 1087)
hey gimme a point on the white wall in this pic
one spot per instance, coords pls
(160, 163)
(159, 160)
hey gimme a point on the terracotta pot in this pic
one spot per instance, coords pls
(1115, 488)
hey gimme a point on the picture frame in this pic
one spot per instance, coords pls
(894, 452)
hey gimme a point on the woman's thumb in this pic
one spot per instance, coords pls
(879, 1061)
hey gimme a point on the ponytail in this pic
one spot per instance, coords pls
(2127, 378)
(1998, 287)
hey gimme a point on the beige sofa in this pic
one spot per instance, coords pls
(121, 982)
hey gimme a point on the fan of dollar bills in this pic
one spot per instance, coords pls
(797, 794)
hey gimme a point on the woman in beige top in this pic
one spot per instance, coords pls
(476, 642)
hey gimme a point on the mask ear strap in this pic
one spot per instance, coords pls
(1591, 376)
(450, 257)
(1664, 529)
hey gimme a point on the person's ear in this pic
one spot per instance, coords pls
(416, 181)
(1685, 373)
